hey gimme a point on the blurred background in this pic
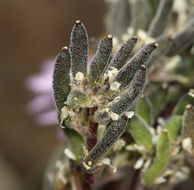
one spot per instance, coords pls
(32, 31)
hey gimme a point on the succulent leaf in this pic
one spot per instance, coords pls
(164, 43)
(132, 94)
(123, 54)
(101, 59)
(183, 39)
(113, 133)
(161, 19)
(79, 49)
(61, 78)
(127, 72)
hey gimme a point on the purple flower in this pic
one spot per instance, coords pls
(42, 106)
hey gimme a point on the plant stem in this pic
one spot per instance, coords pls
(91, 140)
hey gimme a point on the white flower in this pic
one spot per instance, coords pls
(114, 86)
(135, 147)
(191, 93)
(61, 169)
(71, 113)
(69, 154)
(130, 148)
(180, 175)
(106, 161)
(130, 31)
(175, 150)
(64, 113)
(144, 36)
(139, 163)
(79, 76)
(172, 62)
(111, 73)
(129, 114)
(119, 144)
(147, 164)
(168, 172)
(86, 166)
(159, 180)
(187, 145)
(114, 116)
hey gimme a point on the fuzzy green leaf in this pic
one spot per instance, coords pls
(161, 160)
(174, 126)
(158, 99)
(140, 132)
(144, 109)
(188, 122)
(76, 141)
(180, 107)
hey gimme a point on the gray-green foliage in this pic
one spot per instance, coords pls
(61, 78)
(127, 72)
(131, 94)
(161, 19)
(183, 39)
(79, 49)
(114, 131)
(123, 54)
(101, 59)
(104, 93)
(76, 106)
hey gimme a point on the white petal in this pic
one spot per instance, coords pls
(114, 86)
(114, 116)
(168, 172)
(79, 76)
(64, 113)
(86, 166)
(159, 180)
(139, 163)
(191, 93)
(69, 154)
(187, 145)
(129, 114)
(147, 164)
(130, 148)
(106, 161)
